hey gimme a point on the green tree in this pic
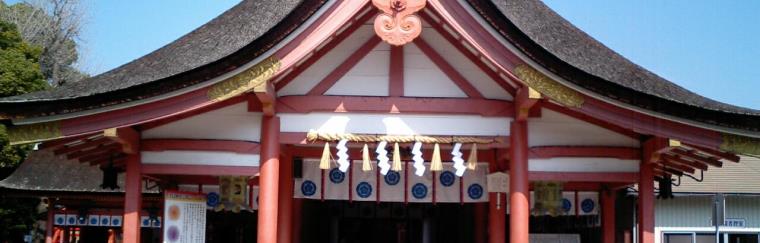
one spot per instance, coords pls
(19, 73)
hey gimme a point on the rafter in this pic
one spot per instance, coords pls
(678, 160)
(83, 145)
(692, 155)
(447, 69)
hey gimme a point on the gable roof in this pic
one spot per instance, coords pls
(567, 51)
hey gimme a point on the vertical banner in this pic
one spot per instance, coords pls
(419, 188)
(364, 183)
(185, 217)
(588, 203)
(336, 184)
(447, 184)
(568, 203)
(59, 219)
(93, 220)
(475, 184)
(392, 186)
(309, 186)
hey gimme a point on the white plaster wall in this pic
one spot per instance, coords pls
(369, 77)
(231, 123)
(396, 124)
(554, 128)
(319, 70)
(482, 82)
(583, 165)
(181, 157)
(422, 78)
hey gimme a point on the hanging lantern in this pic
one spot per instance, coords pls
(396, 158)
(435, 163)
(472, 161)
(324, 163)
(366, 165)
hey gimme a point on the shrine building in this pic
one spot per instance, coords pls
(370, 121)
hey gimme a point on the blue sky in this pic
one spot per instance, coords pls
(710, 47)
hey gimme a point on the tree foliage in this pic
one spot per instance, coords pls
(54, 25)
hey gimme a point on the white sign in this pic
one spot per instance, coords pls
(498, 182)
(185, 217)
(735, 222)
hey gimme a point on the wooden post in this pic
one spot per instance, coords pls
(481, 220)
(285, 215)
(296, 223)
(497, 217)
(132, 200)
(49, 223)
(519, 207)
(608, 216)
(268, 182)
(646, 203)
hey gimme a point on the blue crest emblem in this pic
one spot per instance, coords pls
(447, 178)
(72, 220)
(93, 221)
(392, 178)
(59, 221)
(104, 221)
(419, 191)
(587, 205)
(566, 205)
(364, 190)
(115, 222)
(308, 188)
(146, 222)
(337, 176)
(475, 191)
(212, 199)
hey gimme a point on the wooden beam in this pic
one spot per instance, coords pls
(623, 177)
(396, 72)
(545, 152)
(344, 67)
(266, 96)
(526, 98)
(156, 169)
(102, 147)
(402, 105)
(680, 167)
(692, 154)
(675, 159)
(714, 152)
(448, 69)
(63, 141)
(84, 145)
(129, 138)
(235, 146)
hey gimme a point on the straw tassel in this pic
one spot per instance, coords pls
(472, 161)
(366, 165)
(396, 158)
(324, 163)
(435, 162)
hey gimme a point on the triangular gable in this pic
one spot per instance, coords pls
(369, 77)
(422, 78)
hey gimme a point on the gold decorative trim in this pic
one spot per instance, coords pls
(547, 86)
(253, 78)
(34, 133)
(740, 144)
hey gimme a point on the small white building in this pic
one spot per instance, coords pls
(688, 217)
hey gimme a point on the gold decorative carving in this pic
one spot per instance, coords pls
(398, 24)
(741, 144)
(33, 133)
(547, 86)
(253, 78)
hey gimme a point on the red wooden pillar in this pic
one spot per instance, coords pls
(646, 202)
(269, 179)
(284, 217)
(49, 223)
(481, 220)
(519, 207)
(608, 216)
(132, 200)
(297, 206)
(497, 217)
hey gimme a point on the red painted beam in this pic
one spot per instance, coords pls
(156, 169)
(447, 69)
(396, 72)
(714, 152)
(622, 177)
(524, 101)
(99, 149)
(344, 67)
(54, 144)
(677, 166)
(675, 159)
(234, 146)
(546, 152)
(692, 154)
(267, 99)
(362, 104)
(84, 145)
(128, 137)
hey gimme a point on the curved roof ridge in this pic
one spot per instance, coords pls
(565, 41)
(216, 39)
